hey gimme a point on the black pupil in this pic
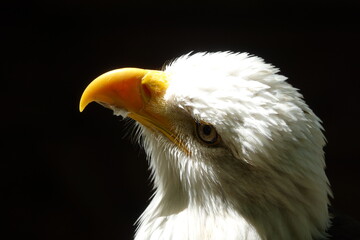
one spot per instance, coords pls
(207, 130)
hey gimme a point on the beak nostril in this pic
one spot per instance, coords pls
(154, 85)
(145, 92)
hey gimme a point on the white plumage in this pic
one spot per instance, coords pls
(263, 179)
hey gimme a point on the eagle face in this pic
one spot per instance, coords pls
(235, 152)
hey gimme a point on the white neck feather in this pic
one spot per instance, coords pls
(229, 212)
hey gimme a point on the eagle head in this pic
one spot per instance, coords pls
(234, 151)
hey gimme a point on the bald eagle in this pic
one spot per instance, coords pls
(234, 151)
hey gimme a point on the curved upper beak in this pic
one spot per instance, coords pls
(130, 89)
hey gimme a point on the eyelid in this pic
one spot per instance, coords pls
(217, 138)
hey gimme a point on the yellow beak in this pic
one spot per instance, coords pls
(127, 88)
(137, 91)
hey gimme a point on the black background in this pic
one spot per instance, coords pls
(66, 175)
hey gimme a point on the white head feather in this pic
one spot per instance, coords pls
(265, 180)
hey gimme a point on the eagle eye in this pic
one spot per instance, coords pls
(207, 133)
